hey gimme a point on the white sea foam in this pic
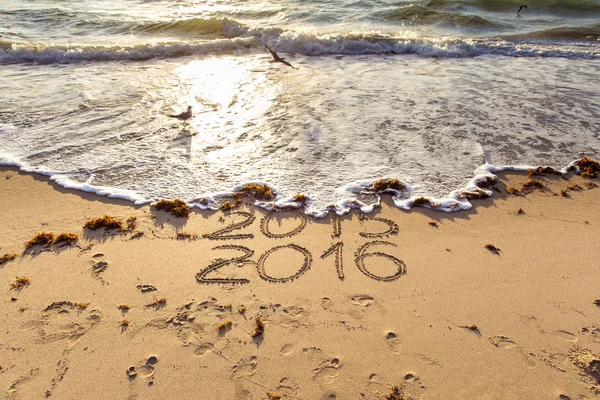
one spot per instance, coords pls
(211, 201)
(305, 44)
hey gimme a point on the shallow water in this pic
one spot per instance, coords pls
(425, 93)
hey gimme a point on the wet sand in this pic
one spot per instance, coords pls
(351, 306)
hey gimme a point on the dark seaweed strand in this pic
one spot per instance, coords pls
(260, 265)
(337, 248)
(360, 256)
(201, 276)
(264, 227)
(219, 234)
(336, 224)
(393, 228)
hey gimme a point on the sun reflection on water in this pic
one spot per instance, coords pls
(230, 99)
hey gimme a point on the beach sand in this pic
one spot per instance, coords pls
(454, 320)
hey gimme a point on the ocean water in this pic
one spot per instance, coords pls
(432, 93)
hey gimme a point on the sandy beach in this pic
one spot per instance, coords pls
(284, 306)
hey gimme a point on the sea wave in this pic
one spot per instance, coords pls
(302, 43)
(567, 33)
(195, 26)
(557, 7)
(424, 15)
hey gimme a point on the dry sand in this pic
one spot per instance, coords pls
(459, 322)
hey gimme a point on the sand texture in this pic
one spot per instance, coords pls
(250, 305)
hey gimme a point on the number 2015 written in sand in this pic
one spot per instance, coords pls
(364, 251)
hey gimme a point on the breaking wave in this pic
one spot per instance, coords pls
(306, 44)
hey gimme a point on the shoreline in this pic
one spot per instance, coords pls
(460, 199)
(342, 317)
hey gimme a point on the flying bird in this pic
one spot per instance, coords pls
(522, 7)
(276, 58)
(184, 116)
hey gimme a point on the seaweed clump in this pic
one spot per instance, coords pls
(475, 194)
(513, 190)
(175, 207)
(105, 222)
(186, 236)
(20, 282)
(301, 198)
(493, 248)
(542, 171)
(421, 201)
(66, 239)
(588, 168)
(158, 303)
(42, 238)
(230, 205)
(259, 329)
(7, 257)
(395, 394)
(532, 183)
(489, 181)
(224, 327)
(260, 192)
(131, 223)
(384, 184)
(472, 328)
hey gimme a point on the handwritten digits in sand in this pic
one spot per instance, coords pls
(336, 224)
(392, 228)
(264, 227)
(361, 254)
(337, 249)
(220, 263)
(220, 234)
(260, 266)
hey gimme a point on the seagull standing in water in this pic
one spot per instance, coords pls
(522, 7)
(276, 58)
(184, 116)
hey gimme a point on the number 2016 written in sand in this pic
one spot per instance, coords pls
(364, 251)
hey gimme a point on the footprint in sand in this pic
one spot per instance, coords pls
(592, 333)
(558, 358)
(502, 342)
(287, 349)
(413, 388)
(286, 387)
(145, 368)
(529, 359)
(568, 336)
(244, 368)
(363, 300)
(410, 377)
(393, 342)
(327, 371)
(203, 348)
